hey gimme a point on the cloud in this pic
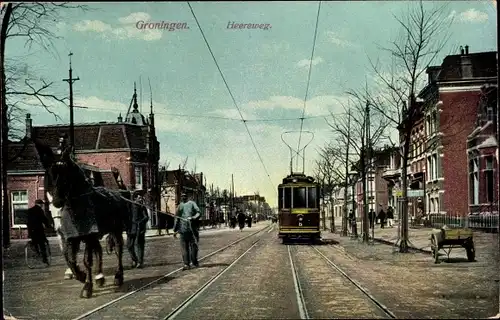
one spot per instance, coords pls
(470, 15)
(306, 62)
(338, 40)
(125, 29)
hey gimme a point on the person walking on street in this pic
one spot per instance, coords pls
(241, 220)
(390, 216)
(136, 235)
(37, 222)
(186, 226)
(372, 217)
(354, 225)
(249, 221)
(382, 216)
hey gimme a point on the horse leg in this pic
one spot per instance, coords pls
(99, 278)
(68, 274)
(87, 261)
(70, 251)
(119, 254)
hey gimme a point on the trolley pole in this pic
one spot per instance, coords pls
(71, 80)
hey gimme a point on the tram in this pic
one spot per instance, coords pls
(298, 201)
(298, 207)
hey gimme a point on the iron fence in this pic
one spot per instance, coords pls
(484, 222)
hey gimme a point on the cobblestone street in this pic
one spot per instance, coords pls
(416, 287)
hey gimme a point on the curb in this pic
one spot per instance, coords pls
(390, 243)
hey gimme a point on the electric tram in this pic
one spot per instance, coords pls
(298, 204)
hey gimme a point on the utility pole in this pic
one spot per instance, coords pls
(232, 192)
(365, 168)
(71, 80)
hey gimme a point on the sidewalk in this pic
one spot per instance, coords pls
(153, 233)
(485, 243)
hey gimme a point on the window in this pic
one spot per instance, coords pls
(489, 179)
(288, 198)
(280, 197)
(312, 197)
(434, 122)
(429, 168)
(299, 197)
(19, 201)
(474, 181)
(138, 178)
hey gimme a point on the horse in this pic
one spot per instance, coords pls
(87, 214)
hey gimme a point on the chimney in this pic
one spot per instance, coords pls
(466, 49)
(466, 64)
(461, 50)
(29, 125)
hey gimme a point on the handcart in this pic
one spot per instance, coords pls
(446, 239)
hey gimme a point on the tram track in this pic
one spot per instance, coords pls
(323, 294)
(225, 254)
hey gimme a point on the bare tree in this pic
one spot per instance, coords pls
(29, 21)
(424, 35)
(361, 128)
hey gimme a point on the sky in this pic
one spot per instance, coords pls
(266, 70)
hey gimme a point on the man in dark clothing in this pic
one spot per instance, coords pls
(372, 216)
(162, 223)
(249, 221)
(37, 222)
(241, 220)
(354, 225)
(390, 216)
(187, 226)
(136, 235)
(382, 216)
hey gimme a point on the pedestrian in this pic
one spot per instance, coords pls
(136, 234)
(372, 217)
(241, 220)
(390, 216)
(162, 223)
(185, 224)
(382, 216)
(249, 221)
(354, 225)
(37, 222)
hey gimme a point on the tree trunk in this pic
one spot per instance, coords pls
(404, 237)
(332, 228)
(4, 127)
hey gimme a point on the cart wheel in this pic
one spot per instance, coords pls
(471, 251)
(435, 249)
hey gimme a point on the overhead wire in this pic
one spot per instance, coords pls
(308, 79)
(231, 94)
(215, 117)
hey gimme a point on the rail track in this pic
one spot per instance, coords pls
(313, 281)
(114, 305)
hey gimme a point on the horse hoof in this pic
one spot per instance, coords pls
(100, 282)
(118, 281)
(86, 291)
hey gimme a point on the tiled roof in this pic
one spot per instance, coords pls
(23, 156)
(93, 136)
(484, 64)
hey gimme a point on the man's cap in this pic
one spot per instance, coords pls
(38, 201)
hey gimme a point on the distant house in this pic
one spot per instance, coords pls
(175, 182)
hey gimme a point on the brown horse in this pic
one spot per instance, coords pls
(87, 214)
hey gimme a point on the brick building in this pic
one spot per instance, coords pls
(451, 98)
(122, 154)
(482, 149)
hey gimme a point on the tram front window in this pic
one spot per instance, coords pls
(312, 198)
(288, 198)
(299, 197)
